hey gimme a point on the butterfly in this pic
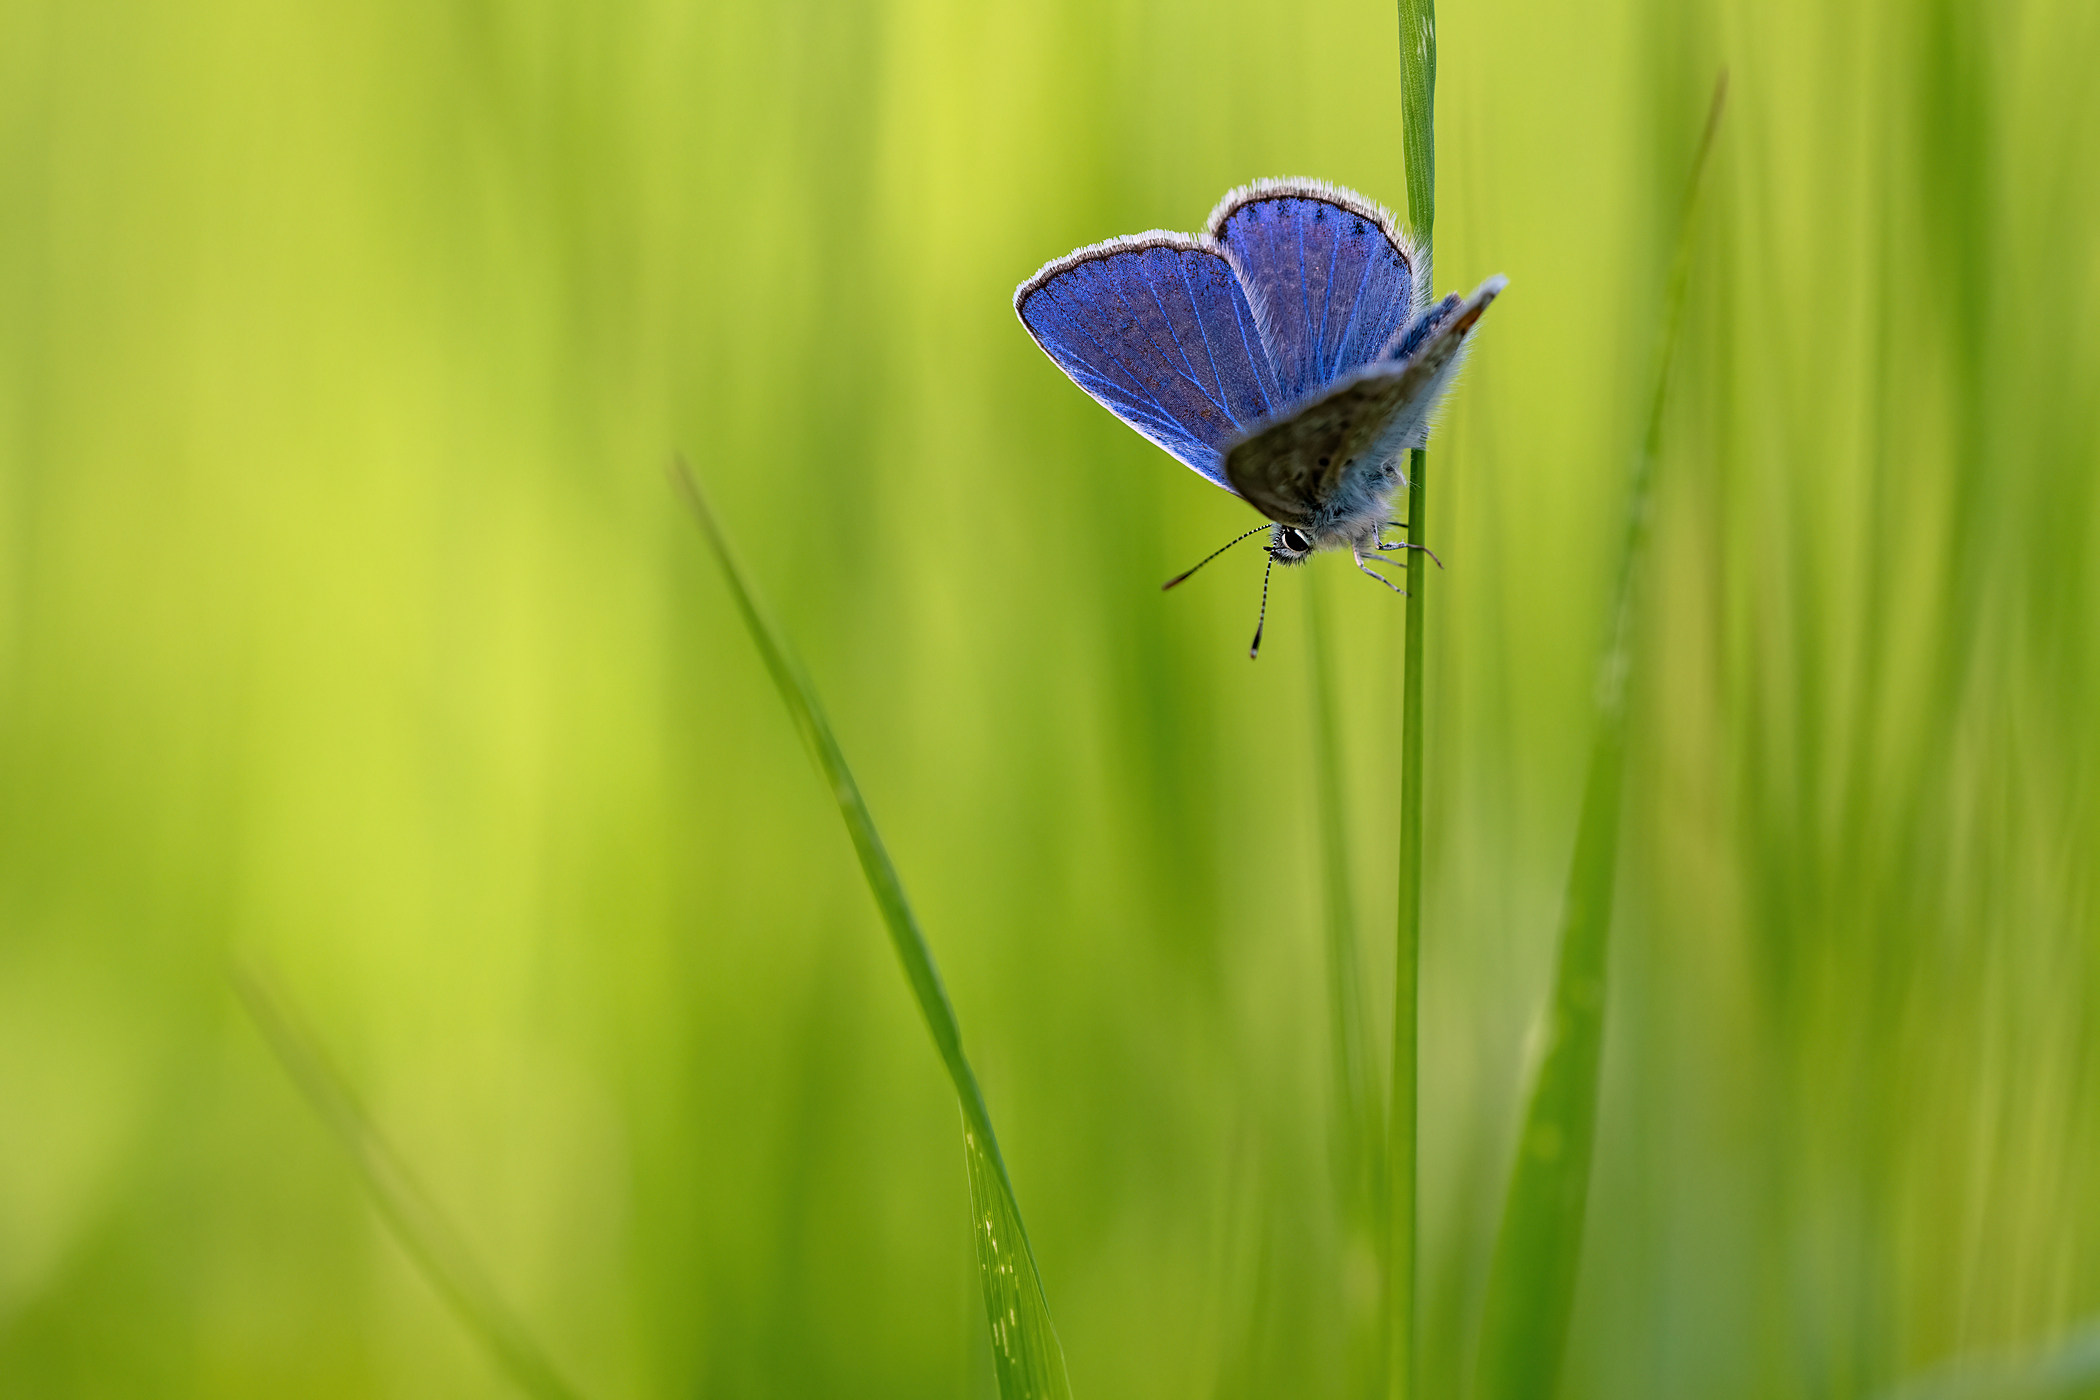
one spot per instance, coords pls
(1289, 353)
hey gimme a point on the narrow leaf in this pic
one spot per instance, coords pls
(1418, 133)
(407, 1209)
(1401, 1133)
(1025, 1351)
(1531, 1285)
(1418, 113)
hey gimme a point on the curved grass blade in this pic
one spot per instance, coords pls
(1025, 1351)
(407, 1209)
(1418, 132)
(1531, 1285)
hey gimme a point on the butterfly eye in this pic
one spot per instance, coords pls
(1295, 541)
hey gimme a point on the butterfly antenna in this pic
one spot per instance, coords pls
(1210, 556)
(1262, 620)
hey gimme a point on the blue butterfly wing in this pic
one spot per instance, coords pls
(1157, 329)
(1330, 276)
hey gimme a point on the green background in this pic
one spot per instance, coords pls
(349, 630)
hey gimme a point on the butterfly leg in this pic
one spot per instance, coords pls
(1365, 565)
(1387, 545)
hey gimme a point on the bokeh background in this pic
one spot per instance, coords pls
(349, 630)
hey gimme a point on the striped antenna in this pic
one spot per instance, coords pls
(1210, 556)
(1263, 618)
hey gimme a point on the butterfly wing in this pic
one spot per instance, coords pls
(1330, 458)
(1330, 275)
(1156, 328)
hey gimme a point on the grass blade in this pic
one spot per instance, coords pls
(1401, 1133)
(1418, 112)
(1531, 1285)
(1025, 1351)
(407, 1209)
(1418, 131)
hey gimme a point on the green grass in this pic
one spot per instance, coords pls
(1402, 1201)
(416, 1221)
(347, 628)
(1531, 1285)
(1027, 1359)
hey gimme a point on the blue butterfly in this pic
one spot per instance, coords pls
(1288, 353)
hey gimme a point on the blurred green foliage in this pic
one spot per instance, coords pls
(347, 626)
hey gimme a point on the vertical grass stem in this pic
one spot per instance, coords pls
(1418, 133)
(1401, 1133)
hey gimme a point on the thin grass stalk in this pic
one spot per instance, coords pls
(416, 1222)
(1402, 1134)
(1026, 1355)
(1531, 1283)
(1418, 132)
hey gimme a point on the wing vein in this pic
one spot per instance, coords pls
(1268, 404)
(1334, 257)
(1187, 364)
(1117, 361)
(1304, 300)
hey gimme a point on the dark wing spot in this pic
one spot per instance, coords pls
(1325, 460)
